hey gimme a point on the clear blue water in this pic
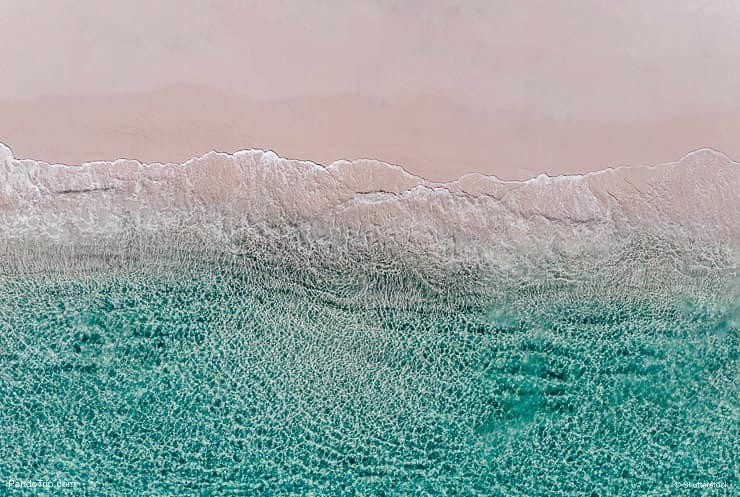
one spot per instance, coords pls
(231, 375)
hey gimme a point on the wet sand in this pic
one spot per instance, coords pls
(431, 136)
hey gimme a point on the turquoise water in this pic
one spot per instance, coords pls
(237, 375)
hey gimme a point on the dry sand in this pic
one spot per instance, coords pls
(443, 88)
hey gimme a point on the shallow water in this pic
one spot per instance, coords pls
(208, 373)
(251, 325)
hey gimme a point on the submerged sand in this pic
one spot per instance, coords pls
(270, 326)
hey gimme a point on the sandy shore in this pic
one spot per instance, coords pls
(432, 136)
(442, 88)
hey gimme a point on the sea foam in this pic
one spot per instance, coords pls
(695, 195)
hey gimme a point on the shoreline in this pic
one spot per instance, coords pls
(689, 156)
(433, 136)
(228, 196)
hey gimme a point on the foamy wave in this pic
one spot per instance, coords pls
(228, 195)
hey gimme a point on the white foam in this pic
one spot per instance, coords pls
(696, 195)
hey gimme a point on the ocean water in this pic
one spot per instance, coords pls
(202, 372)
(250, 325)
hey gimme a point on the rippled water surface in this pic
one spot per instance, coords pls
(234, 375)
